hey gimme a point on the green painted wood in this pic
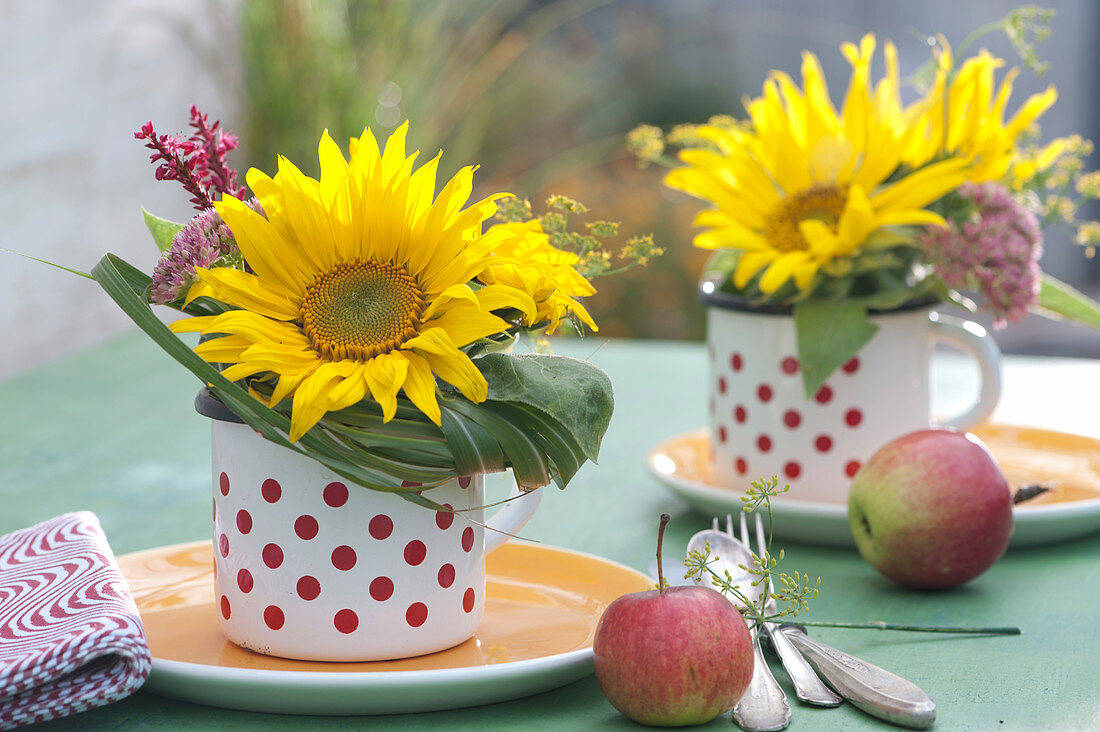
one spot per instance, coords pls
(112, 430)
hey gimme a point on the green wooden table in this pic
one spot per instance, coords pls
(112, 430)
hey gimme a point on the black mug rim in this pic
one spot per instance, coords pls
(210, 406)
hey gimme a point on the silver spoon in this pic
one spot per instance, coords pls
(764, 706)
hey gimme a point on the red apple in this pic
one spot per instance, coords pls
(673, 656)
(931, 509)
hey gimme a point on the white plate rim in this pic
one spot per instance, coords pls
(1033, 524)
(360, 690)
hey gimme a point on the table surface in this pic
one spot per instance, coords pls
(112, 430)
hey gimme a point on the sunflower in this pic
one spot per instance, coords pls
(359, 284)
(964, 119)
(526, 260)
(805, 185)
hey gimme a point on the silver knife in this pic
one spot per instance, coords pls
(874, 690)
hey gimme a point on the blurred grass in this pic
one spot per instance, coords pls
(540, 94)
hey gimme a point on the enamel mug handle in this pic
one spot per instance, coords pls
(973, 339)
(512, 517)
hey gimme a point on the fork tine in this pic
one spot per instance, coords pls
(729, 525)
(745, 533)
(714, 523)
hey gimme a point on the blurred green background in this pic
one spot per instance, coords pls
(542, 93)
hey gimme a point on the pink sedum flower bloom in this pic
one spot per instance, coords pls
(205, 242)
(995, 252)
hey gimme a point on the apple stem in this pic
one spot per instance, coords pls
(665, 518)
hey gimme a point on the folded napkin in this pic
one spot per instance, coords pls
(70, 635)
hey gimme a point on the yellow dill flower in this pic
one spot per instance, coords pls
(525, 259)
(966, 119)
(359, 284)
(807, 185)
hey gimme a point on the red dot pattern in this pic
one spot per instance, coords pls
(415, 551)
(308, 587)
(343, 558)
(273, 617)
(777, 406)
(380, 527)
(273, 556)
(346, 621)
(245, 582)
(446, 576)
(306, 527)
(381, 588)
(271, 490)
(336, 494)
(417, 614)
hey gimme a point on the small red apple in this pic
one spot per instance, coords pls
(673, 656)
(931, 509)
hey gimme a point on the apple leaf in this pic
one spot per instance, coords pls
(829, 333)
(163, 230)
(1060, 301)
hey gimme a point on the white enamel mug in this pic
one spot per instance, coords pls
(762, 424)
(310, 566)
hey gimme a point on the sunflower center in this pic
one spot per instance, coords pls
(823, 203)
(359, 310)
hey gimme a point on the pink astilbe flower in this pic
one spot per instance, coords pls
(198, 162)
(205, 242)
(996, 252)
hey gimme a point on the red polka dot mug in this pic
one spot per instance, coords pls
(310, 566)
(762, 424)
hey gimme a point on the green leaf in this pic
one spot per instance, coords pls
(552, 438)
(528, 462)
(475, 450)
(572, 392)
(829, 333)
(1059, 300)
(163, 230)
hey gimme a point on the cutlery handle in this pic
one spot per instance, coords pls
(807, 686)
(764, 705)
(874, 690)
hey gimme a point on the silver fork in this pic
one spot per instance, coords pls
(807, 686)
(764, 705)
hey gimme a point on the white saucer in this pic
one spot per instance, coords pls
(1027, 455)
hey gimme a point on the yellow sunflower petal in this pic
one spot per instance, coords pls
(449, 363)
(464, 324)
(386, 375)
(420, 386)
(243, 290)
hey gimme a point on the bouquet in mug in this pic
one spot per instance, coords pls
(364, 320)
(838, 213)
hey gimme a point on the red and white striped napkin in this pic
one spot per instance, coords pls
(70, 635)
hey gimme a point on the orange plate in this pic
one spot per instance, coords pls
(542, 607)
(1068, 463)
